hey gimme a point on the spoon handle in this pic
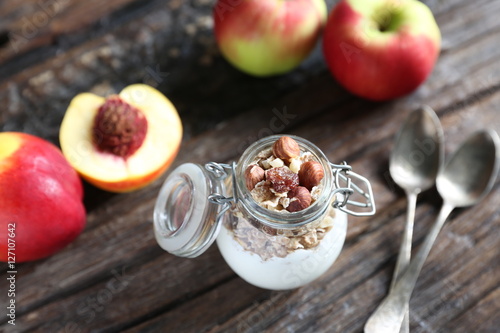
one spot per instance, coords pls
(388, 317)
(405, 249)
(405, 253)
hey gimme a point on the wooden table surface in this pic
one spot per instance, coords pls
(115, 277)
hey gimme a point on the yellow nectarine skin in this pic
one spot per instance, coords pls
(41, 195)
(117, 173)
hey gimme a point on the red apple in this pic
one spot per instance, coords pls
(40, 198)
(267, 37)
(381, 49)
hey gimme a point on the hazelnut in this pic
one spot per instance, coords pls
(301, 199)
(253, 175)
(286, 148)
(310, 174)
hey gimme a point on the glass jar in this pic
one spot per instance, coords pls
(272, 249)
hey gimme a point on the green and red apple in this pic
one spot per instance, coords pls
(123, 142)
(381, 49)
(268, 37)
(41, 209)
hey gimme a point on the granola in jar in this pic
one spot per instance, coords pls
(284, 179)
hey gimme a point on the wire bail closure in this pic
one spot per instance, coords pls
(344, 172)
(341, 172)
(220, 174)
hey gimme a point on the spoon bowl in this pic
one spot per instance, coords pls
(470, 173)
(418, 151)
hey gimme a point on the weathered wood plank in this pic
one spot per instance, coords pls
(161, 287)
(483, 316)
(138, 290)
(220, 304)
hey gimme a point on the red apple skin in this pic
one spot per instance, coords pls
(42, 195)
(268, 37)
(376, 70)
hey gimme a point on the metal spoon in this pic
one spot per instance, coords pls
(464, 181)
(415, 161)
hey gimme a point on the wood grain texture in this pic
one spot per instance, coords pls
(115, 277)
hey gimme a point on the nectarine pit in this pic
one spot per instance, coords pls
(119, 128)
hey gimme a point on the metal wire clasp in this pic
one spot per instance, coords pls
(219, 170)
(343, 172)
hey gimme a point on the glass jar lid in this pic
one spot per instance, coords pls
(185, 222)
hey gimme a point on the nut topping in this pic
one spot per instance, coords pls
(278, 170)
(253, 175)
(301, 199)
(277, 178)
(310, 174)
(286, 148)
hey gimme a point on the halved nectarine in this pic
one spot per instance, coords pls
(123, 142)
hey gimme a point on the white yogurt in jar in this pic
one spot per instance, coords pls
(295, 270)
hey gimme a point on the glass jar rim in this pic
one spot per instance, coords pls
(276, 219)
